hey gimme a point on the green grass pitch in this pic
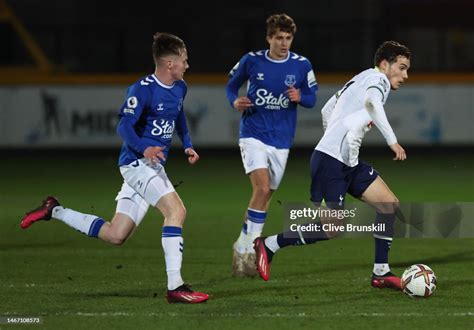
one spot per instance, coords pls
(75, 282)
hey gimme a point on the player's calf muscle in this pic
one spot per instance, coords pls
(114, 234)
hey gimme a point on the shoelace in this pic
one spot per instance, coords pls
(185, 287)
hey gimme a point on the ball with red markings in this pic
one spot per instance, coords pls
(419, 281)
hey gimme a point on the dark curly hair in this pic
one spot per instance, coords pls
(390, 50)
(281, 22)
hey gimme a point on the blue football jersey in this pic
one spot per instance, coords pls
(272, 119)
(149, 116)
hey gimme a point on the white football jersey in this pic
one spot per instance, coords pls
(346, 118)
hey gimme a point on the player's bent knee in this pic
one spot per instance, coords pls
(396, 202)
(391, 205)
(172, 209)
(117, 238)
(180, 214)
(263, 191)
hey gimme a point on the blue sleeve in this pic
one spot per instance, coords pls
(137, 100)
(309, 88)
(238, 75)
(126, 130)
(182, 130)
(308, 100)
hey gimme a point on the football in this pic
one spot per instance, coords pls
(418, 281)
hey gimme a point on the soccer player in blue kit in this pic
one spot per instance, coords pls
(278, 81)
(151, 113)
(337, 170)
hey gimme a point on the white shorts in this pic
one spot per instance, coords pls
(143, 186)
(256, 154)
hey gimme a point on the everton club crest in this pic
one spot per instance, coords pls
(290, 80)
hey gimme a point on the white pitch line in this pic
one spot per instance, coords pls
(276, 315)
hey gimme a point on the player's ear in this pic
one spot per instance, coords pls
(383, 65)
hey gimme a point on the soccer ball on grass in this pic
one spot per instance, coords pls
(418, 281)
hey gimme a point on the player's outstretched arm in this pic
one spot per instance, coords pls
(193, 156)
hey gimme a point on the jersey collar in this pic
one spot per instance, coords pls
(162, 84)
(276, 61)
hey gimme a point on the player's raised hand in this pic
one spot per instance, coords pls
(154, 153)
(193, 156)
(242, 103)
(293, 94)
(400, 153)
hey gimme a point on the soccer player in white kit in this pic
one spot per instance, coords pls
(149, 116)
(336, 169)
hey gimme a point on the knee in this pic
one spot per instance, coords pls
(391, 205)
(117, 238)
(181, 213)
(395, 203)
(178, 214)
(388, 205)
(263, 191)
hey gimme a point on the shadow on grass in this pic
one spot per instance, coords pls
(33, 246)
(460, 257)
(439, 260)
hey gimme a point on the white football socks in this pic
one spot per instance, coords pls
(271, 242)
(381, 269)
(255, 222)
(173, 249)
(245, 242)
(255, 228)
(74, 219)
(251, 229)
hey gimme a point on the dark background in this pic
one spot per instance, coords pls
(337, 36)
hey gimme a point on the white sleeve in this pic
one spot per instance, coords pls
(374, 105)
(327, 110)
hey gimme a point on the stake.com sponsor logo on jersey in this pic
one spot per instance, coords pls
(266, 98)
(163, 128)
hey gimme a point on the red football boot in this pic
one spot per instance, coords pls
(43, 212)
(386, 281)
(263, 258)
(184, 294)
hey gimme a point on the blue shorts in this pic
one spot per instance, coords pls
(332, 179)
